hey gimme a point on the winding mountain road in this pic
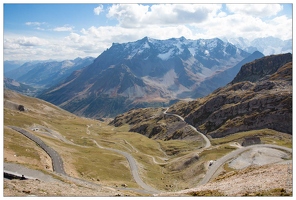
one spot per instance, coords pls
(207, 141)
(217, 164)
(57, 161)
(221, 161)
(133, 166)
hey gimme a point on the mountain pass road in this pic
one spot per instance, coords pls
(207, 141)
(133, 167)
(217, 164)
(57, 161)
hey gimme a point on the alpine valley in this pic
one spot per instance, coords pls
(31, 78)
(189, 118)
(148, 73)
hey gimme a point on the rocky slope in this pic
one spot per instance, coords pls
(268, 180)
(239, 106)
(266, 102)
(147, 72)
(222, 78)
(152, 123)
(258, 69)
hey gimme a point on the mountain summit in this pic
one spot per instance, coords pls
(147, 72)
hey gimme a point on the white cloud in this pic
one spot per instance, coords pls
(110, 34)
(64, 28)
(281, 27)
(34, 23)
(258, 10)
(249, 26)
(25, 48)
(159, 21)
(98, 10)
(33, 48)
(136, 15)
(23, 41)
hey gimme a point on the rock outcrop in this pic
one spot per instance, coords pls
(152, 123)
(266, 102)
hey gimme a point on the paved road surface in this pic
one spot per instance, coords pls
(208, 143)
(217, 164)
(57, 161)
(133, 167)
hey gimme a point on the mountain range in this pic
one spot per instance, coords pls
(259, 97)
(197, 145)
(41, 75)
(147, 72)
(19, 87)
(144, 73)
(268, 45)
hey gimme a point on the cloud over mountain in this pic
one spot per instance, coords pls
(98, 26)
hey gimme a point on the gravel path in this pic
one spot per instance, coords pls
(207, 141)
(258, 156)
(217, 164)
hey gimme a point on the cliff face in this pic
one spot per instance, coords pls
(266, 102)
(152, 123)
(258, 69)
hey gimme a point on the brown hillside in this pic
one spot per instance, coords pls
(243, 106)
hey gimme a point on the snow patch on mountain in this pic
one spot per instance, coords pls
(267, 45)
(67, 64)
(146, 46)
(192, 51)
(167, 55)
(179, 47)
(212, 44)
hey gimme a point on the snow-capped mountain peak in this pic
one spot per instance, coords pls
(268, 45)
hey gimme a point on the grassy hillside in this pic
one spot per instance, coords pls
(168, 165)
(73, 138)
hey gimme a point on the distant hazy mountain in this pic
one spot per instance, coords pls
(19, 87)
(223, 77)
(241, 105)
(268, 45)
(46, 74)
(147, 72)
(9, 65)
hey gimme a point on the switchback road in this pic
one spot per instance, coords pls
(207, 141)
(58, 163)
(133, 167)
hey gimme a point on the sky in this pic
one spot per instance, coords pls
(63, 31)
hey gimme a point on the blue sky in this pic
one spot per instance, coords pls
(66, 31)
